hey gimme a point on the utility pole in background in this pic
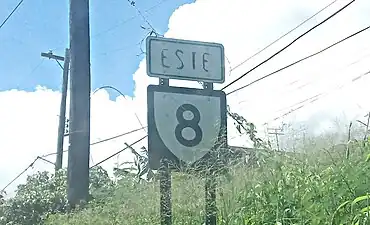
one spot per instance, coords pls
(80, 87)
(367, 124)
(276, 132)
(62, 112)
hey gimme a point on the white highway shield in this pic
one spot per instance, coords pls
(187, 121)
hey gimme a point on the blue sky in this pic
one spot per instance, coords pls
(243, 29)
(42, 25)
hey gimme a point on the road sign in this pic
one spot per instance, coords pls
(184, 124)
(185, 60)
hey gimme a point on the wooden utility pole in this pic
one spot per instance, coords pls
(80, 87)
(367, 126)
(63, 100)
(276, 133)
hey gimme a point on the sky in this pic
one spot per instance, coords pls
(29, 113)
(41, 25)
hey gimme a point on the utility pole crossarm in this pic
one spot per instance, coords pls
(276, 133)
(50, 55)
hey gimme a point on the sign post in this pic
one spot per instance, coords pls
(186, 126)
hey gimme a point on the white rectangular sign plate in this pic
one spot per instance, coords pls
(185, 60)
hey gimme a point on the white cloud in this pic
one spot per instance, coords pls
(244, 27)
(29, 119)
(29, 129)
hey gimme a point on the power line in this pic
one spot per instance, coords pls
(124, 96)
(298, 61)
(281, 50)
(126, 20)
(156, 5)
(132, 3)
(303, 101)
(123, 22)
(104, 140)
(31, 165)
(119, 152)
(319, 96)
(13, 11)
(299, 25)
(42, 157)
(117, 136)
(313, 81)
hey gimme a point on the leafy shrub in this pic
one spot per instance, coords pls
(45, 194)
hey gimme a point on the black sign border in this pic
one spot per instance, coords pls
(156, 148)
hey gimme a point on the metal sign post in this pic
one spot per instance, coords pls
(165, 184)
(186, 126)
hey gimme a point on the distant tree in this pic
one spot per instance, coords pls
(44, 194)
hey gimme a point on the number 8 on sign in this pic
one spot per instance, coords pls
(185, 123)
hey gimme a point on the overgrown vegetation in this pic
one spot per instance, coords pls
(320, 186)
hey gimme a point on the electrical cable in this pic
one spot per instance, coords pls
(42, 157)
(31, 165)
(120, 135)
(301, 102)
(126, 21)
(101, 141)
(299, 25)
(142, 16)
(298, 61)
(281, 50)
(45, 160)
(313, 81)
(319, 96)
(118, 152)
(124, 96)
(11, 13)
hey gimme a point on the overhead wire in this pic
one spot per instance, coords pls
(313, 81)
(298, 61)
(287, 46)
(11, 13)
(290, 31)
(124, 96)
(20, 174)
(126, 20)
(117, 136)
(104, 140)
(93, 36)
(143, 17)
(46, 155)
(319, 96)
(104, 160)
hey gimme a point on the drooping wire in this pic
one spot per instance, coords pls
(319, 96)
(11, 13)
(299, 25)
(104, 140)
(133, 4)
(298, 61)
(124, 96)
(281, 50)
(118, 152)
(20, 174)
(41, 157)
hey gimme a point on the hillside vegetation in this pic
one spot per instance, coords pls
(316, 187)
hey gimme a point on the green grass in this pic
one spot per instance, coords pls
(316, 188)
